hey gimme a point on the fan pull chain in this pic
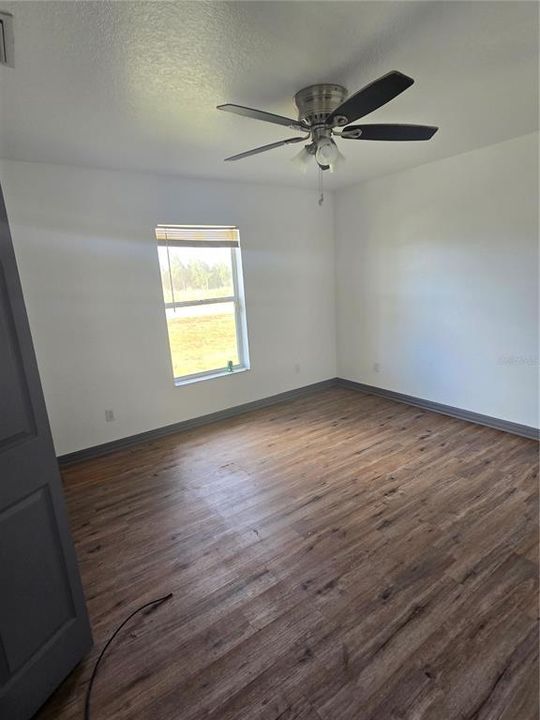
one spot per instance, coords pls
(321, 189)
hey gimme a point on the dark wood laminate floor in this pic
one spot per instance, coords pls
(337, 557)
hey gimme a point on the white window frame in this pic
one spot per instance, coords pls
(237, 298)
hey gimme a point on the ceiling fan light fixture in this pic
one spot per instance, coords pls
(338, 162)
(303, 159)
(327, 152)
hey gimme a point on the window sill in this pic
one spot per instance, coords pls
(209, 376)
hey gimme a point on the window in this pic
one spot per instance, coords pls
(201, 275)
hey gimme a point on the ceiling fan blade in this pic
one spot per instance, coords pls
(264, 148)
(370, 98)
(262, 115)
(389, 132)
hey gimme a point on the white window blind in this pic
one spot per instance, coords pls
(211, 236)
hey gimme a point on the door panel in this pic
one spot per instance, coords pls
(44, 629)
(16, 419)
(40, 603)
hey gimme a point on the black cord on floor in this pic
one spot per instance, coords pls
(153, 605)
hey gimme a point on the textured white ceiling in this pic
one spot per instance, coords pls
(134, 85)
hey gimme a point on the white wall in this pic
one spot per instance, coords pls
(84, 241)
(437, 281)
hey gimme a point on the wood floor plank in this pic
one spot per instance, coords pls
(335, 557)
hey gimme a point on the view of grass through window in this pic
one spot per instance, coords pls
(202, 337)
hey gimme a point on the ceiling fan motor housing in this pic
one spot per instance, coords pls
(316, 102)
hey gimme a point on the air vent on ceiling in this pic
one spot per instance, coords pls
(6, 38)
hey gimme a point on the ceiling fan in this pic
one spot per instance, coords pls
(325, 108)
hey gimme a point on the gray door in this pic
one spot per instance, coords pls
(44, 630)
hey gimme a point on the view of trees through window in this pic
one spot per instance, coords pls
(202, 336)
(196, 273)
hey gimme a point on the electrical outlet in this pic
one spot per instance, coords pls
(376, 367)
(109, 416)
